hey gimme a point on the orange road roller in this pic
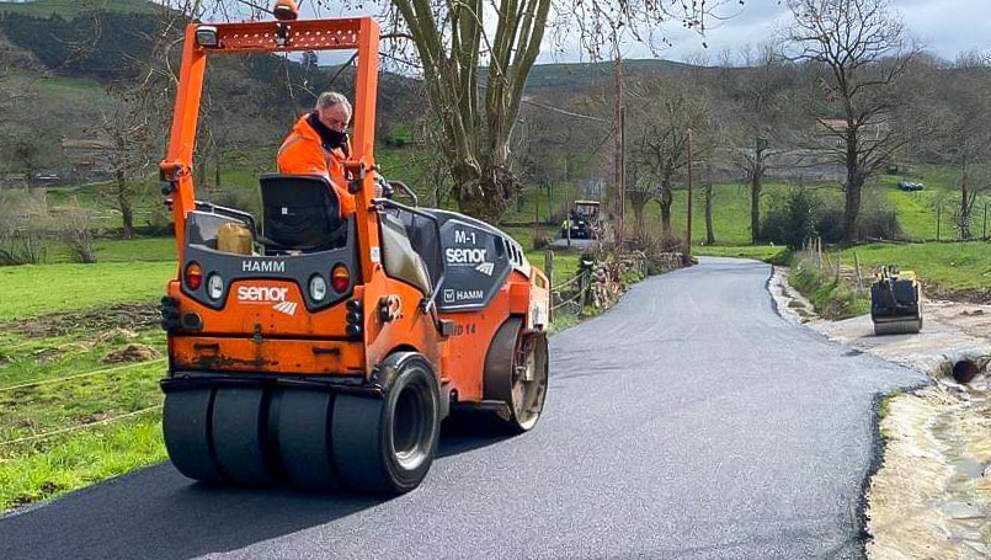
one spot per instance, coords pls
(324, 351)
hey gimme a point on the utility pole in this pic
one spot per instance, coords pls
(688, 228)
(619, 157)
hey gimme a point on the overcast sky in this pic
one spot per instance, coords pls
(945, 27)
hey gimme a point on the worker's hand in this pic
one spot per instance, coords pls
(385, 189)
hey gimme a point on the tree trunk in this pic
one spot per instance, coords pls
(638, 203)
(201, 176)
(854, 184)
(964, 205)
(851, 207)
(755, 191)
(484, 193)
(710, 237)
(124, 204)
(216, 170)
(665, 202)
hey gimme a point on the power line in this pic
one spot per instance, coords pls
(529, 101)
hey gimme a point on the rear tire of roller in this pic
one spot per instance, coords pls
(186, 426)
(305, 442)
(239, 431)
(385, 446)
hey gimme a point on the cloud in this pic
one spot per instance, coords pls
(945, 27)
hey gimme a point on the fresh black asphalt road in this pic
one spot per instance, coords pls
(690, 421)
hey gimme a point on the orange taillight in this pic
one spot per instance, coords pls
(193, 276)
(340, 278)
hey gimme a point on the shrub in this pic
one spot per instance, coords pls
(76, 230)
(791, 219)
(243, 199)
(24, 223)
(800, 215)
(877, 220)
(541, 240)
(159, 222)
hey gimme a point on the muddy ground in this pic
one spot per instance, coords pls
(931, 497)
(130, 316)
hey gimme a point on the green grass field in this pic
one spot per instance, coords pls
(769, 253)
(947, 267)
(39, 289)
(70, 416)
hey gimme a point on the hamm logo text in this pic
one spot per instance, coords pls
(263, 266)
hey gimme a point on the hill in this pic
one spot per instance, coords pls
(68, 9)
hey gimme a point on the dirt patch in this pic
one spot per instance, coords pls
(129, 316)
(931, 498)
(933, 494)
(95, 417)
(132, 353)
(46, 355)
(982, 297)
(116, 335)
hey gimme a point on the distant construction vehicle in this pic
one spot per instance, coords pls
(582, 221)
(896, 302)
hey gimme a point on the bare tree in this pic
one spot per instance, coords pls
(131, 153)
(710, 235)
(639, 192)
(134, 125)
(961, 137)
(475, 58)
(664, 111)
(858, 48)
(759, 92)
(430, 162)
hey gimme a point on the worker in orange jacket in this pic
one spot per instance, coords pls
(319, 145)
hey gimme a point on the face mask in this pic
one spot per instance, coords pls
(329, 137)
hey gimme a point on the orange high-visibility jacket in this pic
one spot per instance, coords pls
(302, 153)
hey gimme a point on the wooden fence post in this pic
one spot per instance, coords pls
(860, 279)
(984, 235)
(536, 216)
(939, 215)
(549, 271)
(819, 253)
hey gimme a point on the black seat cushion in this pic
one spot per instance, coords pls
(301, 212)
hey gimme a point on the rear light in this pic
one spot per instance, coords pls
(215, 286)
(193, 276)
(206, 36)
(285, 10)
(340, 278)
(353, 317)
(170, 313)
(318, 288)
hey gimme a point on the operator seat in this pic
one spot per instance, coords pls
(301, 212)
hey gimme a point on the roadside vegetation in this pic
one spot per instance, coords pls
(80, 398)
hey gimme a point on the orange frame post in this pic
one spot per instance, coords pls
(274, 36)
